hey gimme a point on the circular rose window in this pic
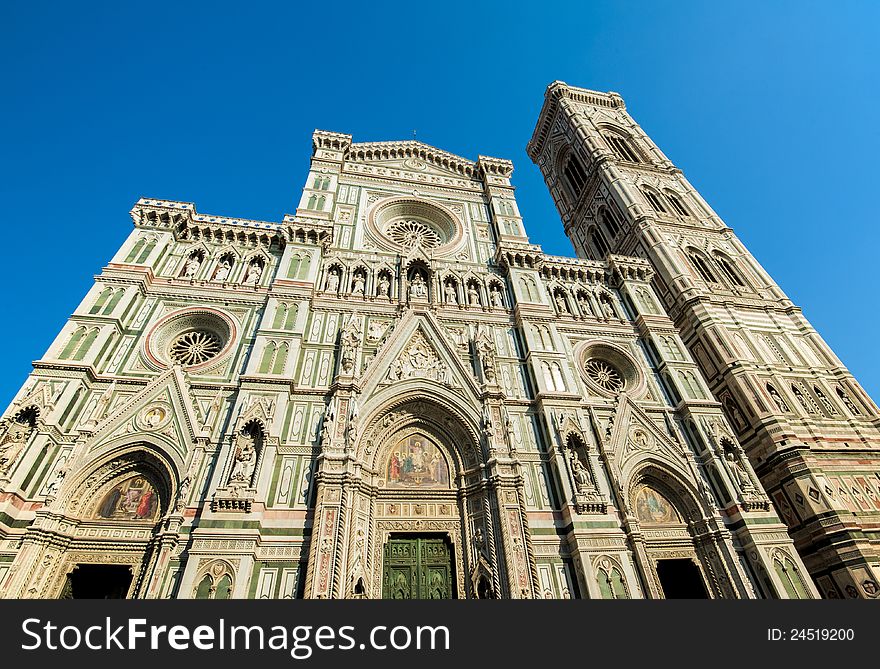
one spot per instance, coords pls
(403, 224)
(412, 233)
(604, 375)
(195, 347)
(192, 338)
(609, 370)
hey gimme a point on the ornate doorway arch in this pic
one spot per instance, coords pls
(108, 518)
(420, 469)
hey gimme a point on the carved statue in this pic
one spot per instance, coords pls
(333, 281)
(183, 492)
(496, 297)
(584, 303)
(255, 271)
(607, 309)
(582, 479)
(358, 284)
(12, 444)
(780, 403)
(450, 293)
(738, 471)
(245, 461)
(473, 296)
(561, 304)
(384, 286)
(418, 288)
(351, 339)
(192, 265)
(486, 350)
(223, 270)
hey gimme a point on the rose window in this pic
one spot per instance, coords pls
(604, 375)
(411, 233)
(195, 347)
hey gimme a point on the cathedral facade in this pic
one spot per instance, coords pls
(394, 393)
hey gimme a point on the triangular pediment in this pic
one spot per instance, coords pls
(419, 348)
(635, 435)
(163, 409)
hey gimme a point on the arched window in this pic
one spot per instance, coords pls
(676, 203)
(113, 302)
(280, 316)
(135, 250)
(597, 241)
(610, 223)
(611, 584)
(290, 321)
(268, 357)
(102, 299)
(558, 380)
(280, 358)
(702, 266)
(655, 200)
(791, 578)
(621, 147)
(728, 269)
(575, 176)
(321, 201)
(293, 267)
(313, 201)
(86, 344)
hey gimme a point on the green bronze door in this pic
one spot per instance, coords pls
(417, 568)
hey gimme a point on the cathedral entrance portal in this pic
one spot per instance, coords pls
(417, 567)
(97, 581)
(680, 579)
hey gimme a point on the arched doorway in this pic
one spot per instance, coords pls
(419, 496)
(113, 513)
(677, 544)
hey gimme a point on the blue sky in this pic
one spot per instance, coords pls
(770, 108)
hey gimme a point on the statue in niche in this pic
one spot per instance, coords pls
(780, 403)
(417, 287)
(584, 303)
(223, 270)
(12, 444)
(607, 309)
(384, 286)
(739, 471)
(333, 281)
(473, 295)
(450, 293)
(350, 341)
(245, 461)
(255, 271)
(496, 297)
(561, 304)
(582, 479)
(192, 266)
(358, 284)
(486, 350)
(183, 492)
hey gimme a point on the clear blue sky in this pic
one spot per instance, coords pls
(770, 108)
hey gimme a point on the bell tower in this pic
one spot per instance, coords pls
(808, 427)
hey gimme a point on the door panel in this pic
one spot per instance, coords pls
(417, 568)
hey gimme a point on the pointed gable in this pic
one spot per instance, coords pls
(163, 409)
